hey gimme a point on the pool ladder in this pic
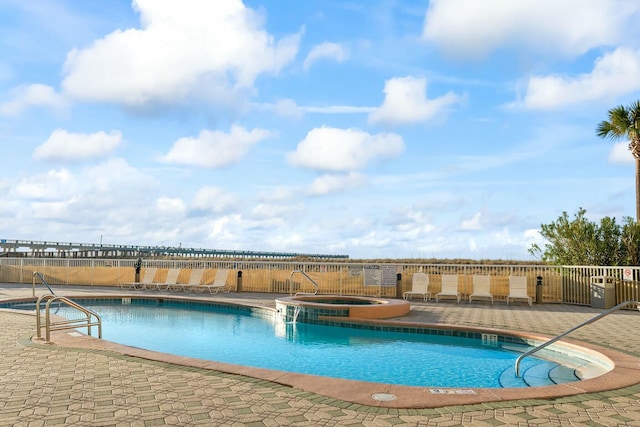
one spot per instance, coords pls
(313, 282)
(90, 318)
(562, 335)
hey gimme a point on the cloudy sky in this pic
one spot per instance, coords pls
(387, 129)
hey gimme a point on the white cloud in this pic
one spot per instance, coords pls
(110, 198)
(52, 185)
(213, 199)
(170, 207)
(333, 149)
(326, 184)
(74, 147)
(289, 108)
(282, 107)
(118, 180)
(200, 48)
(213, 149)
(278, 193)
(620, 154)
(473, 223)
(220, 229)
(34, 95)
(370, 240)
(406, 102)
(532, 237)
(337, 109)
(61, 210)
(289, 240)
(278, 211)
(615, 73)
(410, 225)
(327, 50)
(474, 28)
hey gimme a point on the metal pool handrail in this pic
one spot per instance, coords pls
(67, 323)
(44, 282)
(305, 275)
(562, 335)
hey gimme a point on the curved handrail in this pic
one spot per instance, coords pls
(65, 324)
(562, 335)
(305, 275)
(44, 282)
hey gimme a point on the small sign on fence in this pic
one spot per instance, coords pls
(627, 275)
(380, 275)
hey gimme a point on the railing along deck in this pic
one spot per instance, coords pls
(564, 334)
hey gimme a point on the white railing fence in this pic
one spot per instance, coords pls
(565, 284)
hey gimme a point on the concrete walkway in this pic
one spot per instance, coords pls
(49, 385)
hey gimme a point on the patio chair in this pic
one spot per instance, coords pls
(419, 286)
(481, 287)
(147, 278)
(449, 287)
(219, 283)
(171, 280)
(518, 289)
(194, 281)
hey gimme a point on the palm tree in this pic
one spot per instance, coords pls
(624, 122)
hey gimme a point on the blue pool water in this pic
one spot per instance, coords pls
(364, 355)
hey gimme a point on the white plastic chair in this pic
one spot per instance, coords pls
(518, 289)
(419, 286)
(147, 279)
(171, 280)
(219, 283)
(449, 287)
(194, 281)
(481, 287)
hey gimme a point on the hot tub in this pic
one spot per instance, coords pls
(316, 307)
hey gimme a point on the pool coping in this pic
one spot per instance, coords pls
(626, 371)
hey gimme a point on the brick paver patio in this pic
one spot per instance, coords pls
(48, 385)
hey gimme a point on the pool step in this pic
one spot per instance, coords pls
(563, 374)
(540, 374)
(508, 379)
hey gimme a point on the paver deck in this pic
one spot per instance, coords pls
(51, 385)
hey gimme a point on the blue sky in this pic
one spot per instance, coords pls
(388, 129)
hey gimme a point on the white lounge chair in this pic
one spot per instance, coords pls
(449, 287)
(219, 283)
(171, 280)
(518, 288)
(419, 286)
(147, 278)
(194, 281)
(481, 287)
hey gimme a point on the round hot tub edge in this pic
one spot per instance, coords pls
(313, 307)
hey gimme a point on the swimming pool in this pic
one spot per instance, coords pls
(259, 338)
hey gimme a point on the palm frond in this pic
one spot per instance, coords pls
(620, 124)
